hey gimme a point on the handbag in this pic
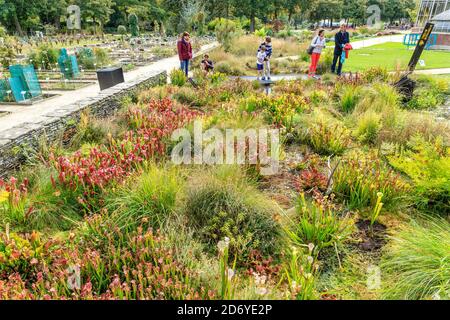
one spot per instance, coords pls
(311, 48)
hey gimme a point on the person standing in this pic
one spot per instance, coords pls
(185, 52)
(341, 39)
(267, 44)
(318, 43)
(260, 60)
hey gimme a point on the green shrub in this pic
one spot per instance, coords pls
(431, 93)
(375, 74)
(416, 265)
(45, 57)
(318, 224)
(278, 110)
(359, 179)
(178, 77)
(428, 166)
(226, 68)
(224, 204)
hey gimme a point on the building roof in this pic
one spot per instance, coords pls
(444, 16)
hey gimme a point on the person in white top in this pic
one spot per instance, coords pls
(318, 43)
(260, 59)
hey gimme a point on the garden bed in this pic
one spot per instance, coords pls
(359, 188)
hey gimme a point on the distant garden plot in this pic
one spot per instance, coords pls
(393, 55)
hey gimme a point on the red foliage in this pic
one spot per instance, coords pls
(88, 176)
(312, 179)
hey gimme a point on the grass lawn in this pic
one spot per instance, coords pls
(392, 55)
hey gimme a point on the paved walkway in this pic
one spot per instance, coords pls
(19, 114)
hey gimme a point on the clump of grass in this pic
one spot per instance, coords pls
(416, 264)
(224, 204)
(151, 196)
(92, 131)
(350, 96)
(189, 97)
(382, 99)
(369, 126)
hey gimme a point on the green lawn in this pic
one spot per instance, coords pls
(392, 54)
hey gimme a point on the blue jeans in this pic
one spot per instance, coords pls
(184, 65)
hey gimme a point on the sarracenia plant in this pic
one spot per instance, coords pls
(227, 274)
(317, 224)
(300, 273)
(13, 198)
(376, 212)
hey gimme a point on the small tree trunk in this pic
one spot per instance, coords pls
(252, 23)
(17, 24)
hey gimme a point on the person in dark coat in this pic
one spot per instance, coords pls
(341, 39)
(185, 52)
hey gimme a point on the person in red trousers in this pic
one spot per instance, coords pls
(318, 43)
(185, 52)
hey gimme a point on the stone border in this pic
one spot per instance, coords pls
(19, 140)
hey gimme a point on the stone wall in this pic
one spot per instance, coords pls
(18, 142)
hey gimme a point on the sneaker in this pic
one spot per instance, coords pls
(316, 77)
(268, 78)
(263, 79)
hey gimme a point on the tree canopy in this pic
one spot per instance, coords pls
(23, 17)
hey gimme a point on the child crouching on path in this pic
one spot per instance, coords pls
(260, 60)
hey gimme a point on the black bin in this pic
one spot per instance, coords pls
(109, 77)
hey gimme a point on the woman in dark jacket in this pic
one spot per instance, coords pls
(185, 52)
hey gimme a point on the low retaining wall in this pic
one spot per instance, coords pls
(18, 141)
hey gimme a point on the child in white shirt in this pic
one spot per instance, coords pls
(260, 59)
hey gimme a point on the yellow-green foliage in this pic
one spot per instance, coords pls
(428, 166)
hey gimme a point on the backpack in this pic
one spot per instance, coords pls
(311, 48)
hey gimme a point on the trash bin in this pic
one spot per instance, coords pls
(110, 77)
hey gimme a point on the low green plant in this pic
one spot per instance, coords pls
(327, 139)
(178, 77)
(359, 179)
(301, 274)
(428, 166)
(225, 204)
(318, 224)
(375, 74)
(416, 264)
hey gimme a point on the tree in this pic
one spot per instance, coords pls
(326, 9)
(354, 10)
(252, 9)
(96, 10)
(134, 25)
(19, 15)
